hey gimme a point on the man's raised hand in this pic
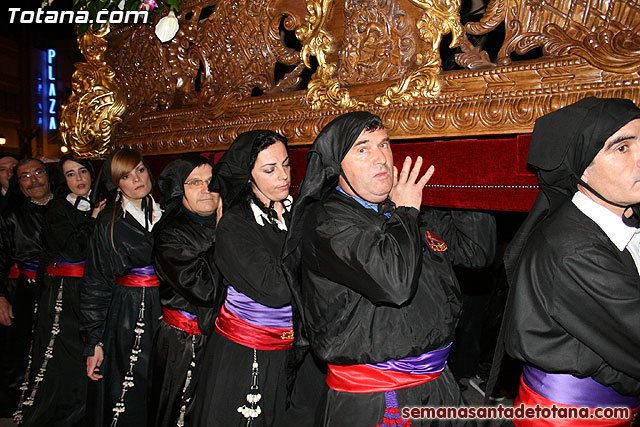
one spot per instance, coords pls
(407, 188)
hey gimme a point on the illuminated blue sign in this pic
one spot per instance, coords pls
(52, 123)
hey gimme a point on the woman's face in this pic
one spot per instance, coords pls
(136, 184)
(78, 178)
(272, 174)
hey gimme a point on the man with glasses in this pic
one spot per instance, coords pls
(20, 227)
(190, 292)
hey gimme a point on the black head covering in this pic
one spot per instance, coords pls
(563, 145)
(171, 180)
(62, 189)
(324, 160)
(233, 170)
(104, 188)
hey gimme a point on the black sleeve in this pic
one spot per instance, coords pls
(470, 236)
(593, 282)
(65, 236)
(380, 262)
(185, 263)
(577, 311)
(97, 289)
(248, 264)
(6, 249)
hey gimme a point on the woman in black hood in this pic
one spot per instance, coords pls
(56, 387)
(244, 378)
(120, 299)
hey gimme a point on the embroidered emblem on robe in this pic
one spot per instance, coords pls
(435, 243)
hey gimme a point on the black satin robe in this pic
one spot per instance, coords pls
(374, 290)
(20, 228)
(109, 312)
(574, 306)
(189, 281)
(248, 256)
(61, 396)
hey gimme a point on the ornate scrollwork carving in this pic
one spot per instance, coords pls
(439, 18)
(598, 32)
(378, 45)
(378, 42)
(235, 65)
(324, 88)
(96, 105)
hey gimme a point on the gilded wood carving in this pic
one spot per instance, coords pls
(293, 65)
(94, 109)
(604, 32)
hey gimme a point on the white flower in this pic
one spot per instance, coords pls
(167, 27)
(121, 5)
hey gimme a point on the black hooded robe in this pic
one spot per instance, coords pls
(61, 395)
(573, 306)
(373, 289)
(20, 228)
(248, 256)
(109, 313)
(189, 281)
(575, 303)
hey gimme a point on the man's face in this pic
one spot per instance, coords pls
(615, 171)
(197, 197)
(6, 170)
(34, 181)
(369, 166)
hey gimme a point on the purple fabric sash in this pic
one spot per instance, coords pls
(427, 363)
(62, 261)
(256, 313)
(29, 265)
(570, 390)
(147, 270)
(188, 315)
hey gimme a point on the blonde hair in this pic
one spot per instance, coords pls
(122, 163)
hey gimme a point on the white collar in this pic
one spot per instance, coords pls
(84, 204)
(138, 215)
(616, 230)
(260, 216)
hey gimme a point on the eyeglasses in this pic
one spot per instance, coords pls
(35, 174)
(195, 183)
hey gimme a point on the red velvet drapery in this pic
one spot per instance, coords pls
(486, 174)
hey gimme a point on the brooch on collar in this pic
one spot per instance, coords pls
(435, 243)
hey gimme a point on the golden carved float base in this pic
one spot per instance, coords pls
(501, 101)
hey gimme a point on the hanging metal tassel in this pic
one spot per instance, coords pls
(253, 410)
(17, 416)
(184, 399)
(127, 383)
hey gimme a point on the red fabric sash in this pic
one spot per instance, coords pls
(14, 272)
(249, 335)
(29, 274)
(71, 270)
(530, 399)
(178, 320)
(134, 281)
(367, 379)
